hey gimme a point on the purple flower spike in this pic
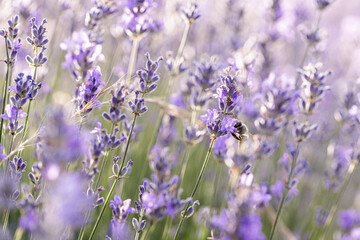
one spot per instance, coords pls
(13, 113)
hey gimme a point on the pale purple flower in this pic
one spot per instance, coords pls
(216, 126)
(86, 94)
(82, 55)
(2, 156)
(60, 141)
(121, 209)
(348, 218)
(66, 204)
(13, 113)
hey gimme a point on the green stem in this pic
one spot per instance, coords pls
(286, 191)
(18, 233)
(166, 228)
(335, 206)
(182, 44)
(140, 219)
(115, 182)
(307, 49)
(152, 143)
(28, 110)
(11, 145)
(132, 61)
(102, 169)
(82, 230)
(104, 161)
(217, 180)
(5, 87)
(184, 164)
(10, 77)
(26, 121)
(195, 187)
(6, 219)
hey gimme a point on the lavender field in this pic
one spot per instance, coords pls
(195, 119)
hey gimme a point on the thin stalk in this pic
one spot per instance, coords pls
(170, 83)
(195, 187)
(28, 110)
(115, 182)
(335, 206)
(217, 180)
(11, 145)
(18, 233)
(307, 49)
(152, 140)
(184, 164)
(10, 77)
(104, 161)
(286, 191)
(26, 120)
(5, 87)
(132, 61)
(140, 219)
(166, 228)
(105, 158)
(6, 219)
(182, 43)
(81, 123)
(82, 230)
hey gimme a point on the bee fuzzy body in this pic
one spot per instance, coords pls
(241, 131)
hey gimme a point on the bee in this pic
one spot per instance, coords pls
(241, 131)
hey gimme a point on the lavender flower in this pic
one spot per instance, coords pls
(37, 40)
(13, 113)
(227, 93)
(82, 55)
(8, 191)
(119, 231)
(86, 94)
(303, 131)
(148, 76)
(138, 106)
(193, 135)
(190, 13)
(121, 209)
(158, 196)
(12, 40)
(2, 156)
(100, 11)
(204, 74)
(66, 204)
(240, 220)
(337, 171)
(313, 87)
(116, 103)
(94, 196)
(25, 89)
(136, 20)
(322, 4)
(17, 167)
(60, 141)
(217, 124)
(125, 170)
(220, 149)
